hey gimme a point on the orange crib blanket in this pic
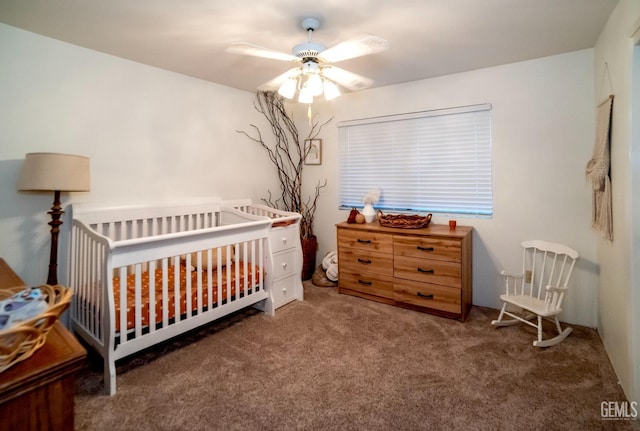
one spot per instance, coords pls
(183, 274)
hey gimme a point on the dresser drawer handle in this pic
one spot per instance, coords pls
(425, 296)
(424, 248)
(364, 241)
(366, 283)
(367, 261)
(426, 271)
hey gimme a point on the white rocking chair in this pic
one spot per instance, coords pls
(540, 289)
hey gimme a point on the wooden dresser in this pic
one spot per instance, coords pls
(37, 393)
(427, 269)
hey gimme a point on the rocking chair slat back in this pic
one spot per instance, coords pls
(546, 264)
(546, 272)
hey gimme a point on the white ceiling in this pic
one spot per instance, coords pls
(426, 38)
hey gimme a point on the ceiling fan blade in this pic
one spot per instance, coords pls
(349, 80)
(356, 47)
(276, 82)
(259, 51)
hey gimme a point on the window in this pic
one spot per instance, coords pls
(432, 161)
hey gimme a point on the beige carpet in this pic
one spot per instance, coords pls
(336, 362)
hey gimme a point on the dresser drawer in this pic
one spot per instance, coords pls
(378, 285)
(428, 295)
(283, 238)
(355, 260)
(428, 271)
(362, 240)
(284, 263)
(427, 248)
(285, 290)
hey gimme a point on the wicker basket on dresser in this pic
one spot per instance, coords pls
(427, 269)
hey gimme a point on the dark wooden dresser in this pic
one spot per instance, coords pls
(38, 393)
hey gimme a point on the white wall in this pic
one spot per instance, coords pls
(619, 305)
(543, 126)
(150, 134)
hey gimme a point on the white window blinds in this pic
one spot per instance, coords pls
(433, 161)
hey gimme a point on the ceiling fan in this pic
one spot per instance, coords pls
(316, 74)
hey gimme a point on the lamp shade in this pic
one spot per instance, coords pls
(53, 171)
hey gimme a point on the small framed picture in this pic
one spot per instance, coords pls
(313, 149)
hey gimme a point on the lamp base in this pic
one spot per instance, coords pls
(56, 212)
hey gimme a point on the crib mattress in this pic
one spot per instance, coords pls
(184, 274)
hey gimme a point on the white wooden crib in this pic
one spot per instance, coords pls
(171, 267)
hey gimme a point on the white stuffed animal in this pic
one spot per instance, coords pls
(330, 265)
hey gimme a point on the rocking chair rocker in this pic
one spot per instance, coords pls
(540, 289)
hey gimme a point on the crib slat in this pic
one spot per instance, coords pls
(248, 270)
(91, 304)
(188, 289)
(93, 291)
(229, 278)
(254, 270)
(91, 262)
(245, 267)
(80, 299)
(165, 292)
(138, 301)
(176, 288)
(219, 275)
(261, 259)
(199, 284)
(209, 280)
(101, 285)
(123, 304)
(90, 297)
(79, 275)
(238, 286)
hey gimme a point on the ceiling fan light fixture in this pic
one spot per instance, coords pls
(309, 67)
(305, 96)
(331, 90)
(315, 75)
(288, 88)
(314, 84)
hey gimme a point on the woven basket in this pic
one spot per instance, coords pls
(20, 341)
(404, 221)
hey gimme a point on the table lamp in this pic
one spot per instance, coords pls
(54, 172)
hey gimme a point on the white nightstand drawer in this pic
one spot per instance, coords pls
(284, 238)
(286, 290)
(285, 264)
